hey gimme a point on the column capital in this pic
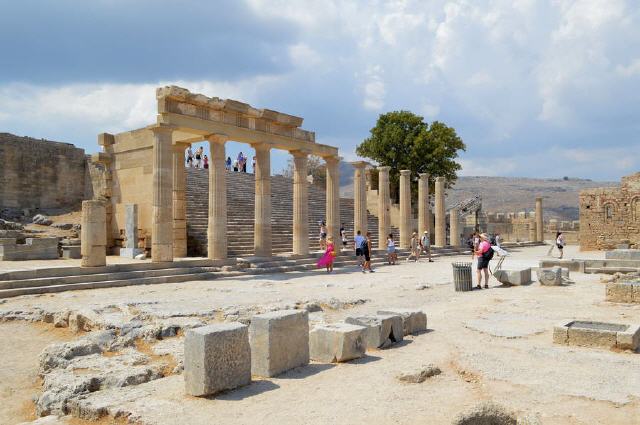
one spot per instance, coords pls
(383, 168)
(332, 159)
(440, 179)
(424, 176)
(405, 172)
(217, 138)
(262, 146)
(299, 153)
(161, 128)
(359, 164)
(538, 198)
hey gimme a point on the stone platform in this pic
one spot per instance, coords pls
(597, 334)
(623, 292)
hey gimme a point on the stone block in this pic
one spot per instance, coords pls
(550, 277)
(94, 234)
(383, 330)
(513, 277)
(130, 252)
(623, 254)
(561, 333)
(71, 251)
(216, 358)
(279, 341)
(629, 339)
(591, 337)
(413, 320)
(337, 342)
(597, 334)
(621, 292)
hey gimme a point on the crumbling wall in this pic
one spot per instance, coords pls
(40, 174)
(610, 216)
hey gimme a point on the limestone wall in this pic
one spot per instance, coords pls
(40, 173)
(610, 216)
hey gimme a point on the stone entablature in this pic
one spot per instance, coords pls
(177, 100)
(610, 216)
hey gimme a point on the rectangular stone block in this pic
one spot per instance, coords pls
(337, 342)
(513, 277)
(216, 358)
(629, 339)
(620, 292)
(622, 254)
(561, 334)
(279, 341)
(71, 251)
(413, 321)
(383, 330)
(550, 277)
(592, 337)
(130, 252)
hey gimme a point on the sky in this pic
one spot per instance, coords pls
(547, 88)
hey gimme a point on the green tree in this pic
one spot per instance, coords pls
(402, 140)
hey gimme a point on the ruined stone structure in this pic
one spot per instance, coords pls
(158, 188)
(611, 216)
(41, 174)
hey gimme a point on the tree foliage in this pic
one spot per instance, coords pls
(402, 140)
(315, 167)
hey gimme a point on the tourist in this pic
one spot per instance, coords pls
(366, 252)
(560, 243)
(235, 165)
(323, 235)
(189, 157)
(425, 245)
(358, 241)
(242, 165)
(392, 255)
(227, 164)
(205, 161)
(343, 236)
(415, 248)
(253, 164)
(327, 259)
(199, 152)
(484, 254)
(497, 240)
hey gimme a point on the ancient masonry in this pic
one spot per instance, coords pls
(611, 216)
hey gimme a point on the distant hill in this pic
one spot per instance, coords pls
(506, 194)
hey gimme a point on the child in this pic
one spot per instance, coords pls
(206, 162)
(392, 256)
(327, 259)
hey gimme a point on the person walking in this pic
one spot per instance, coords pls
(392, 255)
(560, 243)
(358, 241)
(484, 252)
(415, 248)
(199, 152)
(366, 251)
(327, 259)
(205, 161)
(189, 157)
(323, 235)
(425, 245)
(343, 236)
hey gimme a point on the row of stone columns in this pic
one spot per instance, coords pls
(169, 235)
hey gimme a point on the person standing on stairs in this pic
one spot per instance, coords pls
(205, 161)
(323, 235)
(227, 163)
(253, 164)
(343, 236)
(199, 153)
(189, 157)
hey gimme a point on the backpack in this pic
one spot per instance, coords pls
(488, 255)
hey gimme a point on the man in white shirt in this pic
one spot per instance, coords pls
(425, 243)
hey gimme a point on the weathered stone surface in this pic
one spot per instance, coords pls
(32, 249)
(383, 330)
(623, 292)
(591, 337)
(550, 277)
(94, 234)
(71, 252)
(337, 342)
(486, 414)
(420, 375)
(622, 254)
(41, 220)
(279, 341)
(513, 277)
(629, 339)
(413, 320)
(217, 358)
(598, 334)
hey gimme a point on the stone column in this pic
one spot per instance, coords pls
(405, 208)
(262, 230)
(179, 202)
(93, 238)
(532, 229)
(539, 221)
(217, 225)
(300, 204)
(359, 197)
(441, 222)
(162, 203)
(333, 199)
(423, 204)
(384, 203)
(454, 231)
(130, 249)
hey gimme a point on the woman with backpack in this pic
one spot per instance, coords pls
(484, 252)
(560, 243)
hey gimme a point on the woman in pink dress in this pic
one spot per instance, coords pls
(327, 259)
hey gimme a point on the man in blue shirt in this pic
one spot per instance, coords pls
(357, 242)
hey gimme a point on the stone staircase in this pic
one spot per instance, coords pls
(240, 214)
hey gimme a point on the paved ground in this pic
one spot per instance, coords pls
(491, 344)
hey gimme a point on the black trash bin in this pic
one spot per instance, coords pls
(462, 277)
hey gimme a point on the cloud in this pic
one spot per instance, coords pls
(630, 70)
(374, 89)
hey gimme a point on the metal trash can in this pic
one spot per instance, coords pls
(462, 276)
